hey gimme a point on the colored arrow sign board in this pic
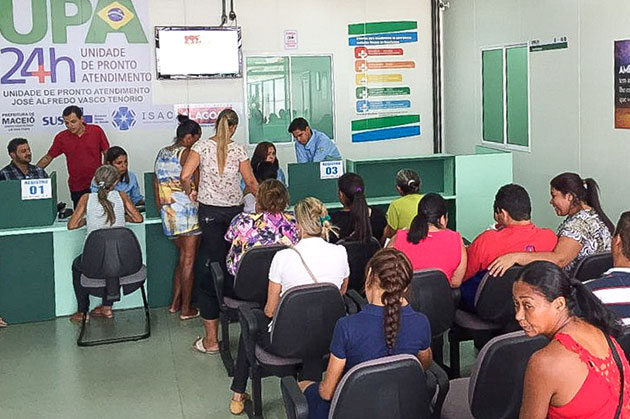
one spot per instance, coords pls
(381, 105)
(362, 52)
(365, 92)
(362, 78)
(384, 38)
(362, 65)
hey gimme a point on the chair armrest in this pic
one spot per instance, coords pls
(356, 299)
(218, 280)
(437, 375)
(249, 331)
(295, 404)
(457, 296)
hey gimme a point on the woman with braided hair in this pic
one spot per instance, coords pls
(386, 326)
(106, 208)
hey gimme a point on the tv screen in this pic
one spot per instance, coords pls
(191, 52)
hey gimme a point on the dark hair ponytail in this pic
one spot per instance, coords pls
(552, 282)
(392, 271)
(583, 191)
(430, 209)
(187, 126)
(352, 187)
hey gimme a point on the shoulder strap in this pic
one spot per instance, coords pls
(615, 355)
(305, 265)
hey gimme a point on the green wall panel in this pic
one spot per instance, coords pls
(517, 98)
(492, 91)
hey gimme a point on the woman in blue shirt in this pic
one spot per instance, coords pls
(386, 326)
(266, 152)
(128, 183)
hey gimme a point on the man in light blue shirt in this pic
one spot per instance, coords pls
(312, 145)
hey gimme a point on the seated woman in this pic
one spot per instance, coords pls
(106, 208)
(386, 326)
(429, 244)
(575, 375)
(586, 230)
(356, 221)
(312, 257)
(266, 152)
(402, 210)
(128, 182)
(270, 225)
(264, 171)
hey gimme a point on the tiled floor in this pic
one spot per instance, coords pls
(44, 374)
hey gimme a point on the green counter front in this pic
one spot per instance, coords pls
(467, 182)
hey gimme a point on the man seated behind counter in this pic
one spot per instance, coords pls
(20, 166)
(312, 145)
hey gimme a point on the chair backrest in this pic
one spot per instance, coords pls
(252, 278)
(393, 387)
(304, 321)
(593, 266)
(624, 341)
(359, 254)
(430, 293)
(493, 301)
(111, 253)
(496, 384)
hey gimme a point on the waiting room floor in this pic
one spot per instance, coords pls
(44, 374)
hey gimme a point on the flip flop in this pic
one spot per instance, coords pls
(98, 313)
(3, 323)
(192, 316)
(198, 346)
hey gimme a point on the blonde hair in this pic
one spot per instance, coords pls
(105, 178)
(313, 218)
(227, 118)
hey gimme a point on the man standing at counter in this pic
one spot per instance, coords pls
(20, 166)
(312, 145)
(84, 146)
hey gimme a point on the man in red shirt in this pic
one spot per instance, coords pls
(84, 146)
(514, 233)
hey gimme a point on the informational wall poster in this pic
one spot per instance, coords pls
(385, 56)
(91, 53)
(622, 84)
(206, 114)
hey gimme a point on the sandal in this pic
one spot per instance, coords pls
(78, 317)
(192, 316)
(238, 406)
(198, 346)
(100, 312)
(3, 323)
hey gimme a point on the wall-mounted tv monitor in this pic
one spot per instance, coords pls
(198, 52)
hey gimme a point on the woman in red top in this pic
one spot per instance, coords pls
(575, 375)
(429, 244)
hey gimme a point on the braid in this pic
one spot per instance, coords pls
(392, 271)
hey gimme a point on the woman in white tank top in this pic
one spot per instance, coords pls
(106, 208)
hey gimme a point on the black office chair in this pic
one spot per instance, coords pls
(494, 315)
(431, 294)
(359, 254)
(495, 388)
(593, 266)
(300, 335)
(393, 387)
(112, 259)
(624, 340)
(250, 288)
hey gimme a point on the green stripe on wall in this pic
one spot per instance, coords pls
(384, 122)
(380, 27)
